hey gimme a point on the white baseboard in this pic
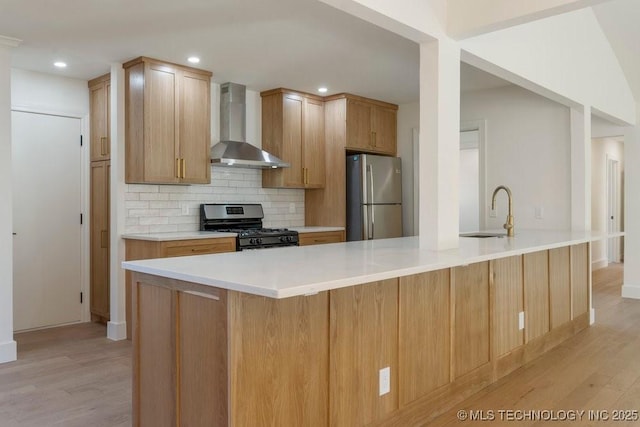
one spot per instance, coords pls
(117, 331)
(8, 351)
(592, 316)
(631, 291)
(598, 264)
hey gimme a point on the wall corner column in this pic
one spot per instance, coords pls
(581, 169)
(439, 144)
(631, 281)
(8, 348)
(117, 326)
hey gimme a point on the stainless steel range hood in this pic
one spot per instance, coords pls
(232, 150)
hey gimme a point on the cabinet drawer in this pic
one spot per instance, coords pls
(320, 238)
(199, 247)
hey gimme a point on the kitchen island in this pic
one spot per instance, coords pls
(351, 334)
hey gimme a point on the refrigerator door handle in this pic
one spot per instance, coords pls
(371, 201)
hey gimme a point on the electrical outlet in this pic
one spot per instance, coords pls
(292, 208)
(521, 320)
(385, 380)
(539, 212)
(185, 209)
(492, 213)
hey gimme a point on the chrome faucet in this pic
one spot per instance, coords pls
(509, 224)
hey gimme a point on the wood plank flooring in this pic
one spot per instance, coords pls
(74, 377)
(70, 376)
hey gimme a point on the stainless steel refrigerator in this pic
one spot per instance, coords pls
(374, 197)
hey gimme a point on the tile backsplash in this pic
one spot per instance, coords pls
(166, 208)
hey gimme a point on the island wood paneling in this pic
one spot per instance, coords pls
(363, 340)
(424, 334)
(202, 358)
(559, 286)
(279, 360)
(579, 279)
(536, 294)
(507, 304)
(470, 304)
(154, 357)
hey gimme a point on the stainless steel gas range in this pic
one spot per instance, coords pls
(246, 221)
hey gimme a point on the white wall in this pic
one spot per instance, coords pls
(7, 344)
(556, 56)
(600, 149)
(167, 208)
(47, 93)
(408, 120)
(631, 281)
(528, 150)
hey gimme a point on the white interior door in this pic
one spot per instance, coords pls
(46, 215)
(613, 209)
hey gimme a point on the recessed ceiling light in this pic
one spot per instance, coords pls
(60, 64)
(322, 89)
(193, 59)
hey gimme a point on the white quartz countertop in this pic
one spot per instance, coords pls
(179, 235)
(304, 270)
(315, 229)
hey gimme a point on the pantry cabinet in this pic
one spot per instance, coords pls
(99, 241)
(100, 110)
(293, 130)
(167, 122)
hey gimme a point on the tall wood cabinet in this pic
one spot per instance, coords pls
(293, 130)
(99, 237)
(168, 123)
(100, 136)
(100, 153)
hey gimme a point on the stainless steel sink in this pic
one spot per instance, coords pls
(482, 235)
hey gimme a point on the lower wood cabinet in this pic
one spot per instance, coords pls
(536, 294)
(424, 334)
(363, 322)
(146, 249)
(208, 356)
(508, 303)
(320, 238)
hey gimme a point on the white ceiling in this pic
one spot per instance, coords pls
(300, 44)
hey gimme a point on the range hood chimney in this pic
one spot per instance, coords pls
(233, 150)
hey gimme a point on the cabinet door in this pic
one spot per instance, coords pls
(161, 155)
(306, 239)
(508, 302)
(314, 152)
(384, 128)
(359, 136)
(471, 318)
(559, 286)
(580, 280)
(99, 116)
(363, 323)
(195, 132)
(99, 236)
(536, 294)
(292, 140)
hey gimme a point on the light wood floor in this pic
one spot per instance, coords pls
(70, 376)
(74, 377)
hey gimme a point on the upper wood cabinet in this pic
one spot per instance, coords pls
(100, 106)
(167, 122)
(371, 125)
(293, 130)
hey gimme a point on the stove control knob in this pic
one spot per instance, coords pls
(252, 241)
(289, 238)
(259, 240)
